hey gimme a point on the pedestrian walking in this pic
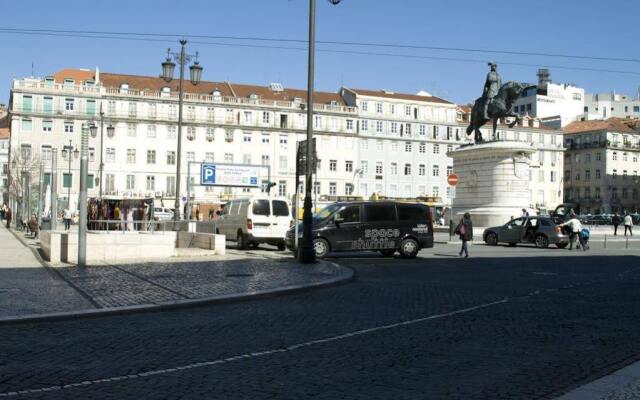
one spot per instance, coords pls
(616, 220)
(7, 216)
(628, 223)
(67, 219)
(575, 232)
(525, 213)
(465, 231)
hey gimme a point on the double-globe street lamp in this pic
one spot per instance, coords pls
(168, 68)
(306, 253)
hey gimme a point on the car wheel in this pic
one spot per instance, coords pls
(253, 245)
(242, 242)
(409, 248)
(388, 252)
(281, 247)
(321, 247)
(491, 239)
(542, 241)
(562, 245)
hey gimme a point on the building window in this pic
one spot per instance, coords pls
(394, 168)
(171, 158)
(407, 147)
(394, 127)
(407, 169)
(228, 136)
(333, 189)
(246, 137)
(69, 104)
(316, 187)
(598, 156)
(46, 153)
(151, 156)
(131, 182)
(436, 170)
(614, 156)
(348, 189)
(282, 188)
(449, 170)
(191, 133)
(422, 130)
(27, 125)
(284, 141)
(151, 131)
(173, 111)
(110, 155)
(333, 165)
(436, 149)
(67, 180)
(228, 158)
(422, 148)
(68, 127)
(348, 166)
(587, 175)
(171, 186)
(394, 146)
(379, 126)
(364, 105)
(265, 159)
(364, 167)
(364, 125)
(265, 117)
(435, 191)
(378, 167)
(379, 145)
(47, 126)
(191, 156)
(132, 130)
(364, 144)
(151, 182)
(283, 163)
(597, 174)
(131, 156)
(349, 124)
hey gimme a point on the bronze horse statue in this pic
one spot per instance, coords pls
(500, 107)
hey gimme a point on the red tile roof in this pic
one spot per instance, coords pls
(611, 124)
(400, 96)
(78, 75)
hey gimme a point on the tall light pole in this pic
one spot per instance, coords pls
(94, 132)
(168, 67)
(82, 197)
(68, 151)
(54, 188)
(307, 254)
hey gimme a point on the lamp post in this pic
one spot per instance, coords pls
(307, 254)
(54, 189)
(168, 68)
(82, 198)
(67, 151)
(94, 132)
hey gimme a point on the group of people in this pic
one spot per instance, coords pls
(130, 214)
(627, 221)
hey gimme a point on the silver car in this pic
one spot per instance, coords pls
(540, 231)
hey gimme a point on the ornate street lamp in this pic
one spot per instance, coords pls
(168, 68)
(111, 131)
(93, 129)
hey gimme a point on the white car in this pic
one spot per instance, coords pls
(253, 220)
(162, 214)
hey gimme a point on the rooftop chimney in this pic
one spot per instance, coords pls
(544, 77)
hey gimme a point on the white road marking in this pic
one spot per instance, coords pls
(255, 354)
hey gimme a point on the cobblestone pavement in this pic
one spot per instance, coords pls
(26, 287)
(506, 324)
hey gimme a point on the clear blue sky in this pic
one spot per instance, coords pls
(585, 27)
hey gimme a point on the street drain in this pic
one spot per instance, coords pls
(238, 275)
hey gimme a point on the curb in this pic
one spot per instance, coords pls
(346, 277)
(607, 385)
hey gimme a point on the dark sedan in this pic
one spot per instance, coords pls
(540, 231)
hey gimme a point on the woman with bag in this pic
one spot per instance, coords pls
(465, 231)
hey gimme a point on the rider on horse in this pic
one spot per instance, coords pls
(491, 87)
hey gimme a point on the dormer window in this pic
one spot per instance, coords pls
(216, 94)
(124, 87)
(166, 90)
(333, 103)
(49, 81)
(253, 96)
(68, 82)
(90, 82)
(297, 100)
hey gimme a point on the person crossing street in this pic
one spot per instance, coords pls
(628, 224)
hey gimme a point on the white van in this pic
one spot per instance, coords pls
(254, 220)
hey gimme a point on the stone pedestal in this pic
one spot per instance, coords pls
(493, 181)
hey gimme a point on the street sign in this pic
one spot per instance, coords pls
(452, 180)
(301, 153)
(229, 175)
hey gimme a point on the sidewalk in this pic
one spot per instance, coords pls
(28, 289)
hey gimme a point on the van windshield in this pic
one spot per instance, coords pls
(326, 212)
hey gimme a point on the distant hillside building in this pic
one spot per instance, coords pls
(555, 104)
(608, 105)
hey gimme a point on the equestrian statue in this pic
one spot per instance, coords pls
(495, 103)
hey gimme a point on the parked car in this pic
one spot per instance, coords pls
(254, 220)
(162, 213)
(600, 219)
(383, 226)
(541, 231)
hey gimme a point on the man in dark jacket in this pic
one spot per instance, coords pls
(616, 220)
(7, 216)
(465, 231)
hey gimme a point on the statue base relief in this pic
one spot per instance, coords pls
(493, 181)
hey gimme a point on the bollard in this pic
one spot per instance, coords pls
(627, 243)
(605, 240)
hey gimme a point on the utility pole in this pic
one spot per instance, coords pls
(54, 189)
(82, 198)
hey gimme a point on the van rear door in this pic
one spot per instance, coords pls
(380, 227)
(281, 218)
(261, 218)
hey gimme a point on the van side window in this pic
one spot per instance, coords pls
(261, 207)
(379, 212)
(280, 208)
(349, 214)
(412, 212)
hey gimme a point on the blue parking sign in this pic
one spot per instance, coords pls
(208, 174)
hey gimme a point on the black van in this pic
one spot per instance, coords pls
(384, 226)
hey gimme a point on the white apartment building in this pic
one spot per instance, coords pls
(4, 166)
(368, 142)
(557, 104)
(403, 143)
(610, 105)
(601, 166)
